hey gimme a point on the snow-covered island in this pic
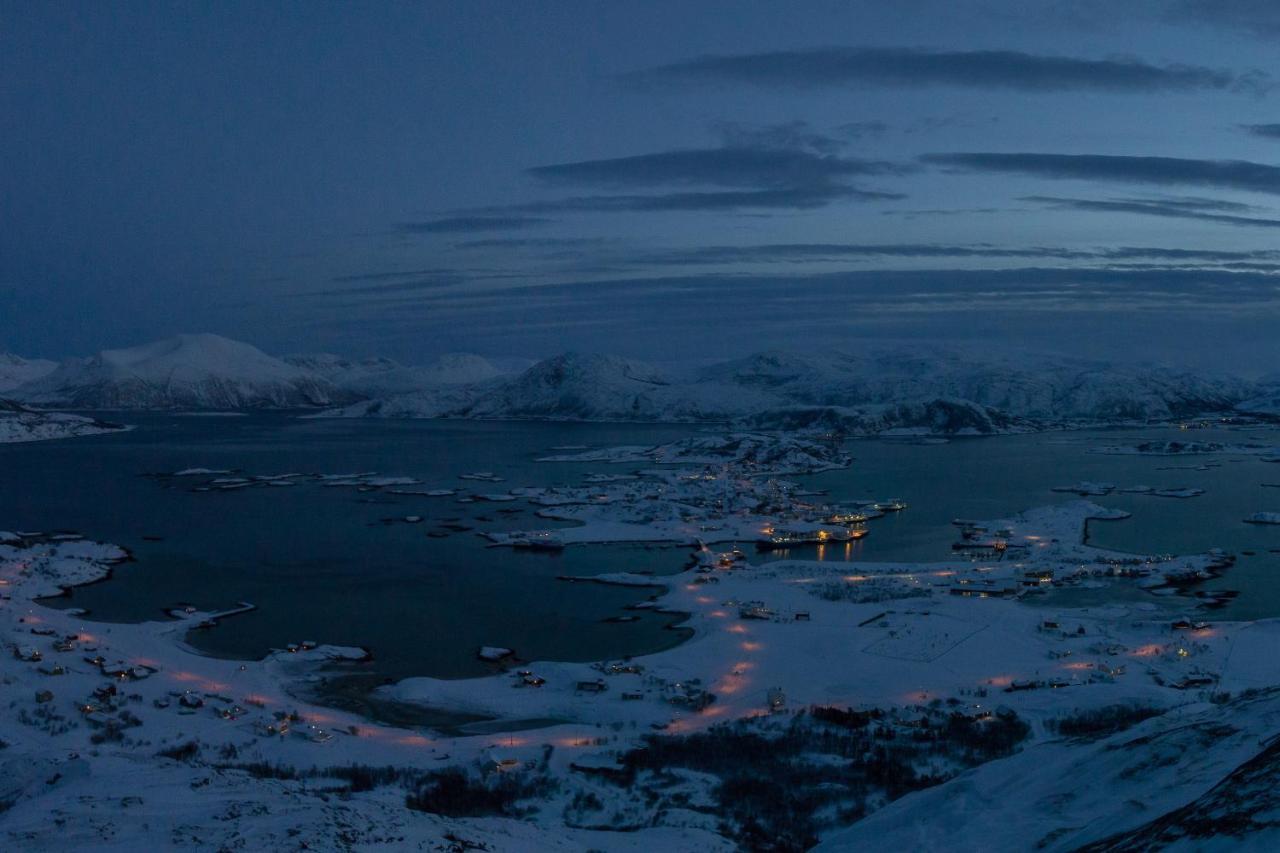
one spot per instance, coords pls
(847, 705)
(20, 424)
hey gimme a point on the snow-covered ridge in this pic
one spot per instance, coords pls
(186, 371)
(918, 391)
(927, 392)
(20, 424)
(15, 370)
(382, 377)
(209, 372)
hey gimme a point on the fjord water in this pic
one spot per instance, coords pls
(319, 562)
(321, 565)
(989, 478)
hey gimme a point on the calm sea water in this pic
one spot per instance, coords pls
(318, 562)
(320, 565)
(986, 478)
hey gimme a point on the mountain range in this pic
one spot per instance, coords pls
(917, 390)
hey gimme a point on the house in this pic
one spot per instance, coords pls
(597, 686)
(624, 669)
(754, 610)
(1021, 684)
(496, 762)
(776, 699)
(27, 653)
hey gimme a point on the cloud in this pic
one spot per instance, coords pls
(830, 303)
(792, 198)
(827, 252)
(469, 224)
(1270, 131)
(729, 166)
(1224, 174)
(1171, 209)
(1260, 17)
(862, 129)
(900, 66)
(785, 166)
(792, 135)
(389, 275)
(530, 243)
(416, 285)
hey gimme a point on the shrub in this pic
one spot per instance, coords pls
(185, 752)
(1101, 722)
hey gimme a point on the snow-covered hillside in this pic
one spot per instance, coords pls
(580, 387)
(1200, 778)
(1044, 387)
(1266, 401)
(15, 370)
(382, 377)
(186, 372)
(922, 391)
(20, 424)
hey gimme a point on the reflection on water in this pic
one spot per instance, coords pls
(988, 478)
(321, 565)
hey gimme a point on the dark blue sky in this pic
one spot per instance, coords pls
(668, 181)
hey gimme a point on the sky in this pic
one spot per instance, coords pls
(666, 181)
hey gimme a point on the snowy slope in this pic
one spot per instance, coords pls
(382, 377)
(20, 424)
(15, 370)
(439, 402)
(1267, 399)
(1042, 387)
(923, 390)
(1191, 779)
(186, 371)
(574, 386)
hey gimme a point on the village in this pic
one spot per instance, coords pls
(982, 651)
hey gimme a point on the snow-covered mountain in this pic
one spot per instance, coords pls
(1046, 388)
(921, 390)
(925, 390)
(1266, 400)
(182, 372)
(579, 387)
(15, 370)
(382, 377)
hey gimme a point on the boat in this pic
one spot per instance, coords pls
(778, 538)
(843, 517)
(538, 542)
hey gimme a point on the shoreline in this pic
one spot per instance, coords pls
(766, 644)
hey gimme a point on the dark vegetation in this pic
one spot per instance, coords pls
(778, 789)
(1101, 722)
(452, 792)
(455, 793)
(183, 752)
(781, 780)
